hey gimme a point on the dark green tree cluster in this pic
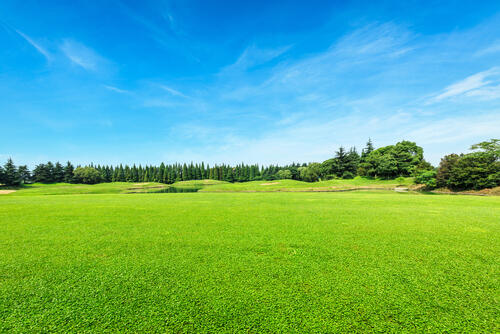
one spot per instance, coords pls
(343, 165)
(10, 175)
(476, 170)
(55, 172)
(388, 162)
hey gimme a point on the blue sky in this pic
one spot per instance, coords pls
(233, 81)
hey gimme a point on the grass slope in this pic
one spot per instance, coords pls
(68, 188)
(206, 186)
(273, 262)
(293, 185)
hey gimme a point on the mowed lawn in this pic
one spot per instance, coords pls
(250, 262)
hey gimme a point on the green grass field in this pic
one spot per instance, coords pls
(247, 262)
(293, 185)
(210, 186)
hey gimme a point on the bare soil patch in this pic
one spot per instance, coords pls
(269, 183)
(484, 192)
(4, 192)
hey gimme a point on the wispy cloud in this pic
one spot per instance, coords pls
(82, 55)
(474, 85)
(490, 49)
(254, 56)
(117, 90)
(36, 45)
(386, 39)
(172, 91)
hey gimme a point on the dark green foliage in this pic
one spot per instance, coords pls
(391, 161)
(311, 173)
(44, 173)
(492, 147)
(423, 166)
(348, 175)
(477, 170)
(402, 159)
(87, 175)
(24, 174)
(344, 162)
(447, 163)
(58, 173)
(10, 174)
(367, 150)
(428, 178)
(68, 173)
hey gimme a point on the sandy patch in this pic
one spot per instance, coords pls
(269, 184)
(141, 184)
(4, 192)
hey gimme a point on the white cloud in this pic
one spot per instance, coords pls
(486, 93)
(254, 56)
(172, 91)
(469, 84)
(383, 39)
(117, 90)
(82, 55)
(491, 49)
(315, 140)
(36, 45)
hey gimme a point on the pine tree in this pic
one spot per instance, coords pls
(2, 176)
(229, 177)
(68, 172)
(10, 174)
(121, 174)
(203, 172)
(161, 173)
(49, 172)
(24, 174)
(58, 173)
(367, 150)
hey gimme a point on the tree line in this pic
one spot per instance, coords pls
(477, 170)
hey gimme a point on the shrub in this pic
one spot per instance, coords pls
(400, 180)
(428, 178)
(348, 175)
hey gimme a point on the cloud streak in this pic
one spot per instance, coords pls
(34, 44)
(82, 56)
(172, 91)
(117, 90)
(475, 85)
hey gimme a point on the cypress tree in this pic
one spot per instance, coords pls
(121, 174)
(203, 172)
(185, 174)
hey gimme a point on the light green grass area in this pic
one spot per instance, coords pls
(101, 188)
(293, 185)
(250, 262)
(207, 186)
